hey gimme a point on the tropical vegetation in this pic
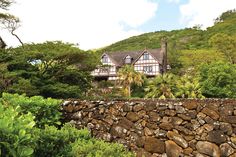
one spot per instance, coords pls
(195, 55)
(203, 64)
(24, 133)
(50, 69)
(128, 76)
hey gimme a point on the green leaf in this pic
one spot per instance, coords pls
(26, 151)
(31, 124)
(22, 133)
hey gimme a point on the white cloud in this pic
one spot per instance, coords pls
(91, 23)
(204, 12)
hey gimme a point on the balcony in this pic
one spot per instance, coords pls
(101, 72)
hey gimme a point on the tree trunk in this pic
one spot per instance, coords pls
(129, 91)
(22, 44)
(2, 43)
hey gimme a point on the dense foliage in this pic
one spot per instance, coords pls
(21, 137)
(15, 132)
(172, 86)
(218, 80)
(225, 44)
(45, 111)
(54, 142)
(51, 69)
(161, 87)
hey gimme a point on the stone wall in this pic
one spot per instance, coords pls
(171, 128)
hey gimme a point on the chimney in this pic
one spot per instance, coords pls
(164, 54)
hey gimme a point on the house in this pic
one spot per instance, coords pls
(150, 62)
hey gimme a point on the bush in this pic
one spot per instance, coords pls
(46, 111)
(54, 142)
(97, 148)
(19, 136)
(15, 132)
(218, 80)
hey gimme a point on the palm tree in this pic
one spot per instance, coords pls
(162, 86)
(128, 76)
(188, 87)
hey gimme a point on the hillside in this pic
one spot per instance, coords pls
(188, 38)
(184, 45)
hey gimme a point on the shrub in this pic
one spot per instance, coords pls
(218, 80)
(54, 142)
(46, 111)
(97, 148)
(15, 132)
(19, 136)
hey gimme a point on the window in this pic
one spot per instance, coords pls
(105, 59)
(145, 56)
(147, 69)
(128, 60)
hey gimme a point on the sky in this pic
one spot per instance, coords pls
(93, 24)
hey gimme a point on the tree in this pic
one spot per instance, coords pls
(192, 59)
(225, 44)
(188, 87)
(226, 15)
(4, 4)
(12, 23)
(174, 57)
(8, 21)
(51, 69)
(128, 76)
(162, 86)
(218, 80)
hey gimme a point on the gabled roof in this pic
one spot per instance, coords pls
(118, 57)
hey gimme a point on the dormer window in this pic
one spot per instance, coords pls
(128, 60)
(105, 59)
(145, 56)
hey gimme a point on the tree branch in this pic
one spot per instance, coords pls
(11, 23)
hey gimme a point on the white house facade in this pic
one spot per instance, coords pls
(149, 62)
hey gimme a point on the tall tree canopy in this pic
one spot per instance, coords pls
(51, 69)
(128, 76)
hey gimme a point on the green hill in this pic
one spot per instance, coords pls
(184, 45)
(188, 38)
